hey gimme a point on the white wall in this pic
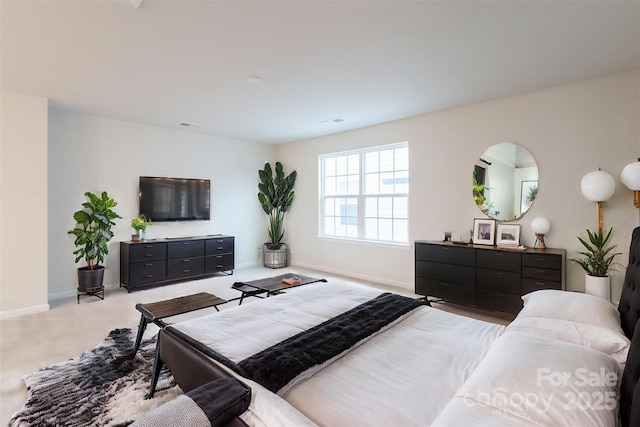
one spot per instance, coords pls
(23, 204)
(88, 153)
(570, 130)
(499, 182)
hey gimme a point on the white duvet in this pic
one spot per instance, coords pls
(405, 375)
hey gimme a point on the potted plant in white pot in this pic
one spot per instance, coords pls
(275, 196)
(139, 224)
(93, 233)
(597, 261)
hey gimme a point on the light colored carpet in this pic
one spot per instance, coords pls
(31, 342)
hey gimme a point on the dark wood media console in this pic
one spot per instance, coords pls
(485, 276)
(157, 262)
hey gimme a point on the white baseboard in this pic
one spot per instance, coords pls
(374, 279)
(62, 295)
(24, 311)
(246, 264)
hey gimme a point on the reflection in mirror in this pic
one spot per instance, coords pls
(505, 181)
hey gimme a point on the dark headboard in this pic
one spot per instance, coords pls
(629, 309)
(629, 306)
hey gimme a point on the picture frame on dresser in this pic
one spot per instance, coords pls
(508, 234)
(484, 231)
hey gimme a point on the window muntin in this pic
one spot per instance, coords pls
(364, 194)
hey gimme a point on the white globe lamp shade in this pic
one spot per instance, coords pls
(630, 176)
(540, 225)
(598, 186)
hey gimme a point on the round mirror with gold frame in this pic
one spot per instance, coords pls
(505, 181)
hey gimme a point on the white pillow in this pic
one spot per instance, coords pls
(600, 338)
(529, 380)
(577, 307)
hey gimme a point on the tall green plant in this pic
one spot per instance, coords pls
(598, 259)
(276, 195)
(93, 228)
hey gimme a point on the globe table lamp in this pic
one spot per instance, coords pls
(598, 186)
(630, 177)
(540, 226)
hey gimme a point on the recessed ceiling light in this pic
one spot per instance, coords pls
(189, 125)
(332, 121)
(254, 79)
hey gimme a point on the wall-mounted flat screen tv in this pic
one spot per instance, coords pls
(174, 199)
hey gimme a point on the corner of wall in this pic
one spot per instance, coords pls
(23, 203)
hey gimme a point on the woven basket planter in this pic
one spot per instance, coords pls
(274, 258)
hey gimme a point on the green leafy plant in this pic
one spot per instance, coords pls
(480, 197)
(598, 259)
(531, 195)
(93, 228)
(276, 195)
(140, 223)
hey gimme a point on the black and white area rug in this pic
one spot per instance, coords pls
(103, 387)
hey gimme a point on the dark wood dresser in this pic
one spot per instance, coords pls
(485, 276)
(158, 262)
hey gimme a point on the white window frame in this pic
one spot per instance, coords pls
(402, 237)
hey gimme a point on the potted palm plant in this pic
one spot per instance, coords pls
(275, 196)
(597, 261)
(480, 197)
(92, 234)
(139, 224)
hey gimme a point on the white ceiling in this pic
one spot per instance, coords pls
(363, 61)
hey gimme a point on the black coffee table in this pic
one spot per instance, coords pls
(156, 311)
(271, 285)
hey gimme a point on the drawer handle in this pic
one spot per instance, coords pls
(540, 283)
(540, 271)
(219, 266)
(498, 254)
(148, 255)
(540, 259)
(186, 243)
(148, 246)
(220, 241)
(148, 276)
(499, 273)
(186, 260)
(149, 264)
(219, 256)
(219, 248)
(186, 271)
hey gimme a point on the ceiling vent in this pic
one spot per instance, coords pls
(189, 125)
(332, 121)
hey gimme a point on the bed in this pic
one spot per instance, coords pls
(559, 363)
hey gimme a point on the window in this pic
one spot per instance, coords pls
(364, 194)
